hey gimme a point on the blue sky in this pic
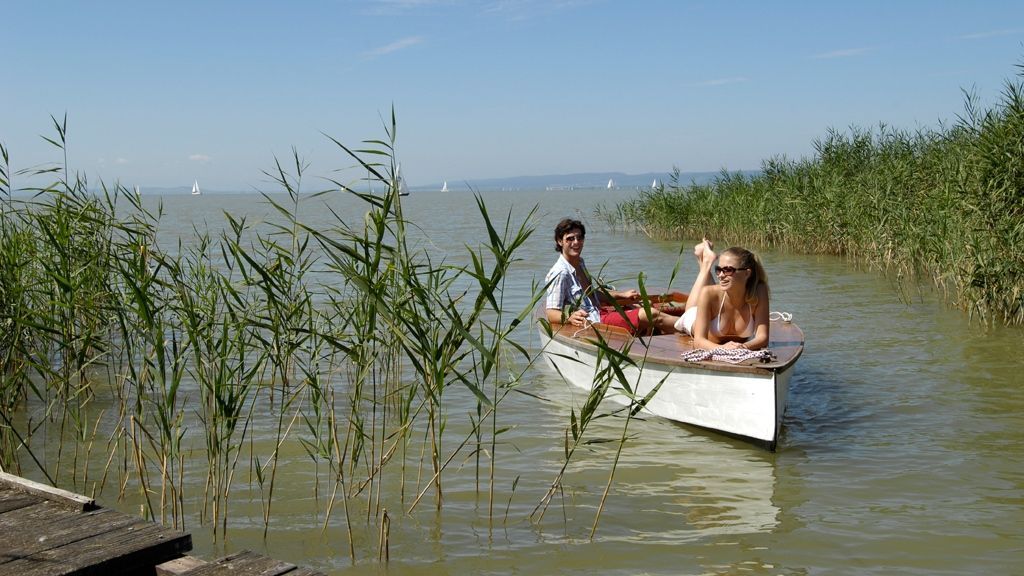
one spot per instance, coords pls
(159, 94)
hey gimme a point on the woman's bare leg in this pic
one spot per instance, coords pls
(705, 261)
(665, 323)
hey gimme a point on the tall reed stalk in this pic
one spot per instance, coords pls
(223, 352)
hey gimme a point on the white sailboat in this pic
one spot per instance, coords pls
(654, 184)
(195, 188)
(611, 183)
(444, 188)
(403, 189)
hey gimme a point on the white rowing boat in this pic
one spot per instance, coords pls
(745, 400)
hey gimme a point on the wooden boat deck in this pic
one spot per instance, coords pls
(51, 532)
(786, 342)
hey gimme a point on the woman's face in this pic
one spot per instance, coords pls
(572, 243)
(728, 272)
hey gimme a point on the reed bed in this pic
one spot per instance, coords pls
(134, 367)
(942, 205)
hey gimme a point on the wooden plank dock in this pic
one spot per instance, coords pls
(245, 563)
(46, 531)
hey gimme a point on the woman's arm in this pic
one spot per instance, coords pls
(706, 302)
(761, 321)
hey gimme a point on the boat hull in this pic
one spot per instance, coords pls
(747, 404)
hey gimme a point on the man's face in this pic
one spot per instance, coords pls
(572, 243)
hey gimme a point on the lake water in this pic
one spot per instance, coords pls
(902, 449)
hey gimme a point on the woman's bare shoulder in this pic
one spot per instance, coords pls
(710, 295)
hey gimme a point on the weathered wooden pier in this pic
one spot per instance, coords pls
(46, 531)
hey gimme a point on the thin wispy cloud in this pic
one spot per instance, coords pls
(845, 53)
(718, 82)
(989, 34)
(120, 161)
(199, 158)
(396, 46)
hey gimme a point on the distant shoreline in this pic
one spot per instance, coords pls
(580, 181)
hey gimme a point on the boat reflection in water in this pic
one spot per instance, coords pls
(722, 491)
(673, 482)
(700, 488)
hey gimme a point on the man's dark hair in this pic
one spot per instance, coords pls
(564, 227)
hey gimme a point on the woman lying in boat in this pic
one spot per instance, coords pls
(734, 312)
(574, 298)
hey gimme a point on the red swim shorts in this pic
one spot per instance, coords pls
(627, 318)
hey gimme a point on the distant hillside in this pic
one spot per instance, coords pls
(580, 181)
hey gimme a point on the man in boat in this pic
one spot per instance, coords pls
(574, 298)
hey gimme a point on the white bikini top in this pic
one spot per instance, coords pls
(713, 327)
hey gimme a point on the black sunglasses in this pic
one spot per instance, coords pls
(728, 270)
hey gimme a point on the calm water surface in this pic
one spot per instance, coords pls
(902, 450)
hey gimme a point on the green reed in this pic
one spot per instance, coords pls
(940, 204)
(610, 378)
(441, 329)
(57, 295)
(153, 367)
(18, 246)
(213, 357)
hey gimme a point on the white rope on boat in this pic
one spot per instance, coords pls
(784, 316)
(586, 324)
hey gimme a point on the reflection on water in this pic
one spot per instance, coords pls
(902, 447)
(718, 491)
(686, 484)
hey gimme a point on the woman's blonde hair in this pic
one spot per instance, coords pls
(747, 259)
